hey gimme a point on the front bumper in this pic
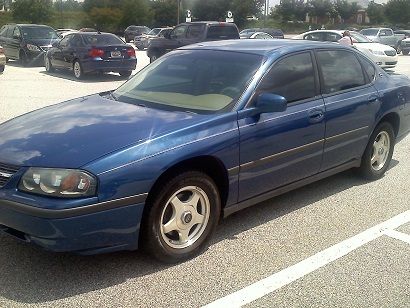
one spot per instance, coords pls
(96, 228)
(386, 61)
(102, 65)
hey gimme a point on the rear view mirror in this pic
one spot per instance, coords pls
(268, 102)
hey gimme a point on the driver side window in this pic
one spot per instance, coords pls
(292, 77)
(179, 32)
(16, 33)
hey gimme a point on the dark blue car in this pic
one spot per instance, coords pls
(204, 131)
(87, 52)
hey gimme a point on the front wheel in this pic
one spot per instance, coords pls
(379, 151)
(47, 63)
(181, 218)
(153, 58)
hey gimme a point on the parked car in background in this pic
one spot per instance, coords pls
(384, 36)
(26, 42)
(141, 42)
(203, 132)
(132, 31)
(87, 52)
(60, 32)
(405, 42)
(383, 55)
(258, 35)
(190, 33)
(88, 30)
(2, 60)
(275, 33)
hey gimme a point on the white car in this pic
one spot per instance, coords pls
(383, 55)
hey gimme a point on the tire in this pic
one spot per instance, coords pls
(1, 68)
(405, 52)
(153, 58)
(169, 229)
(398, 49)
(379, 151)
(78, 70)
(125, 74)
(47, 63)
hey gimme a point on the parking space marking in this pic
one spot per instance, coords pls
(398, 235)
(301, 269)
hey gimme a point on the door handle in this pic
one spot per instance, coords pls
(372, 98)
(316, 115)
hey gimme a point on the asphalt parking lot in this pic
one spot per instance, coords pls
(340, 242)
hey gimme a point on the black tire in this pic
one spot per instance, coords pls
(373, 170)
(405, 52)
(398, 49)
(47, 64)
(78, 70)
(2, 68)
(153, 58)
(125, 74)
(169, 247)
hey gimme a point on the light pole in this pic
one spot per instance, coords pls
(178, 10)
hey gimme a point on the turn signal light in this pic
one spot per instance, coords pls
(131, 52)
(96, 53)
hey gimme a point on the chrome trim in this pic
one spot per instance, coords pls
(6, 175)
(167, 150)
(346, 133)
(345, 99)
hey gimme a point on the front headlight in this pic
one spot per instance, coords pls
(63, 183)
(32, 47)
(377, 52)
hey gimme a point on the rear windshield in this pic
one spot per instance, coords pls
(39, 33)
(222, 33)
(102, 39)
(369, 32)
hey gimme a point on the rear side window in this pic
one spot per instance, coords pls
(340, 69)
(332, 37)
(222, 33)
(318, 36)
(292, 77)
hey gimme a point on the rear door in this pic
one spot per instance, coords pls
(282, 147)
(14, 38)
(351, 103)
(57, 54)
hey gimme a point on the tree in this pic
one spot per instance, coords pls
(291, 10)
(164, 13)
(105, 19)
(134, 12)
(345, 9)
(320, 8)
(398, 11)
(33, 11)
(375, 12)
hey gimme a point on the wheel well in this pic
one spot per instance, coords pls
(209, 165)
(394, 120)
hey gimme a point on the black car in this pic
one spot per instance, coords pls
(133, 31)
(191, 33)
(86, 52)
(27, 43)
(275, 33)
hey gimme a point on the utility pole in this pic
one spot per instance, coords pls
(178, 10)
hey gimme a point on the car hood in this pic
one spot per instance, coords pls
(76, 132)
(373, 46)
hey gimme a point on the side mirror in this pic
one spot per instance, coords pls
(55, 44)
(268, 102)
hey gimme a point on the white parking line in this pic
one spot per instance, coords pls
(398, 235)
(322, 258)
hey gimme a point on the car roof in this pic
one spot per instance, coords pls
(28, 25)
(208, 23)
(260, 47)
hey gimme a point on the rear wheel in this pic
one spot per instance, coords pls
(181, 218)
(78, 70)
(1, 68)
(153, 58)
(125, 73)
(379, 151)
(405, 52)
(47, 63)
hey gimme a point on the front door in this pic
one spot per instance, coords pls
(279, 148)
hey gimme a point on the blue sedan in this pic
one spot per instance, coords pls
(87, 52)
(199, 134)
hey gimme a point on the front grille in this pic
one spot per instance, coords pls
(6, 172)
(391, 63)
(390, 53)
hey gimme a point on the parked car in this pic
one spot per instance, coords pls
(132, 31)
(405, 42)
(86, 52)
(61, 31)
(275, 33)
(88, 30)
(384, 36)
(190, 33)
(383, 55)
(26, 43)
(203, 132)
(141, 42)
(2, 60)
(259, 35)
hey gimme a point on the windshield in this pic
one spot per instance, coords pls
(359, 38)
(193, 80)
(39, 33)
(102, 39)
(369, 32)
(154, 31)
